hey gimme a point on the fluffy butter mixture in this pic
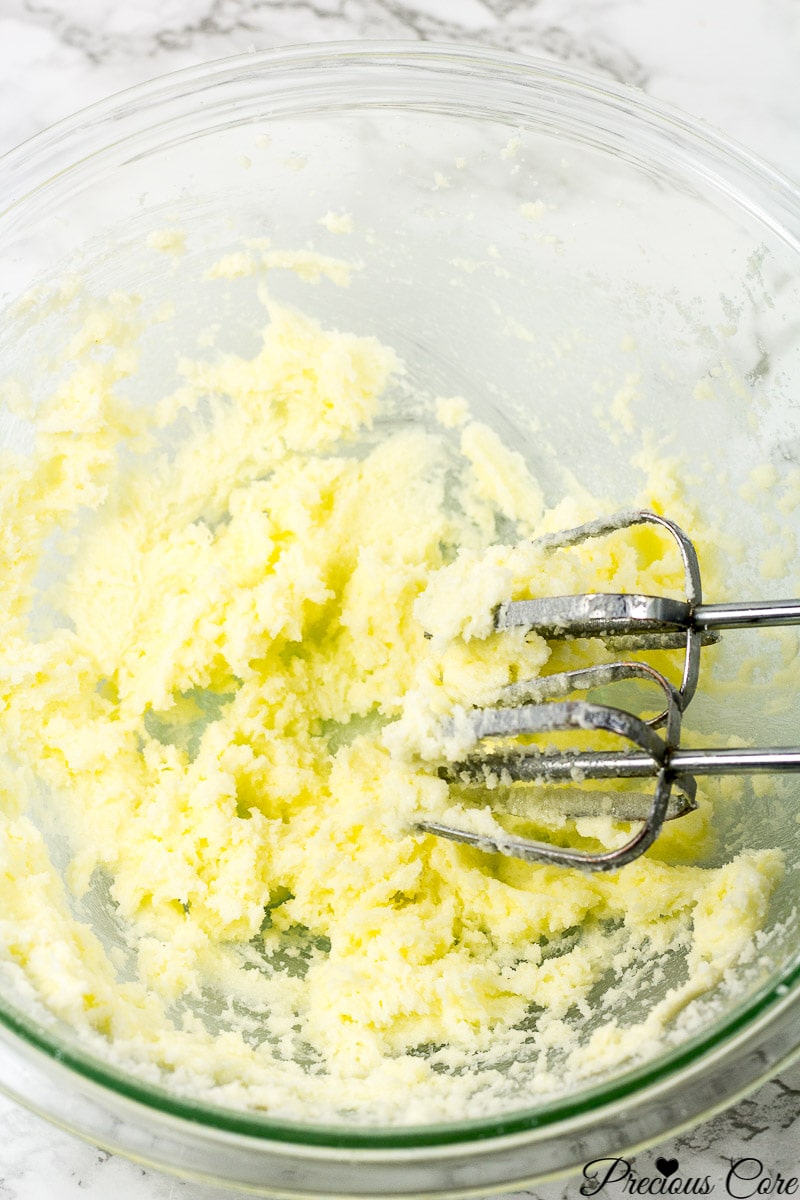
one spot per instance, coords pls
(219, 710)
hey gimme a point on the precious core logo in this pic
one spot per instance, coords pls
(746, 1179)
(606, 1171)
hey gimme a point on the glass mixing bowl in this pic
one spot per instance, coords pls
(529, 237)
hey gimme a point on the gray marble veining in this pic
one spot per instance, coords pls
(732, 62)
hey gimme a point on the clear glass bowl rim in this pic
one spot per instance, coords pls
(462, 81)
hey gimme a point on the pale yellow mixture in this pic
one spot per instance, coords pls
(230, 704)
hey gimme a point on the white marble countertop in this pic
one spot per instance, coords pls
(735, 63)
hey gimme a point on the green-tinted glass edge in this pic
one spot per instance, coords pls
(408, 1137)
(405, 1137)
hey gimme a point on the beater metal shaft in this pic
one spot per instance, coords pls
(521, 767)
(533, 708)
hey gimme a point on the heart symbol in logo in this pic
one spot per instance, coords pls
(667, 1166)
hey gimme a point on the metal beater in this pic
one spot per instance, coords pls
(537, 708)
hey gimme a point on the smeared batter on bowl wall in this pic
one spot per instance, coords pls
(226, 693)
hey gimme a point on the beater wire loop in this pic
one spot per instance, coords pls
(537, 707)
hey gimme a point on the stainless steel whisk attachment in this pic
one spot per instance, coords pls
(536, 708)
